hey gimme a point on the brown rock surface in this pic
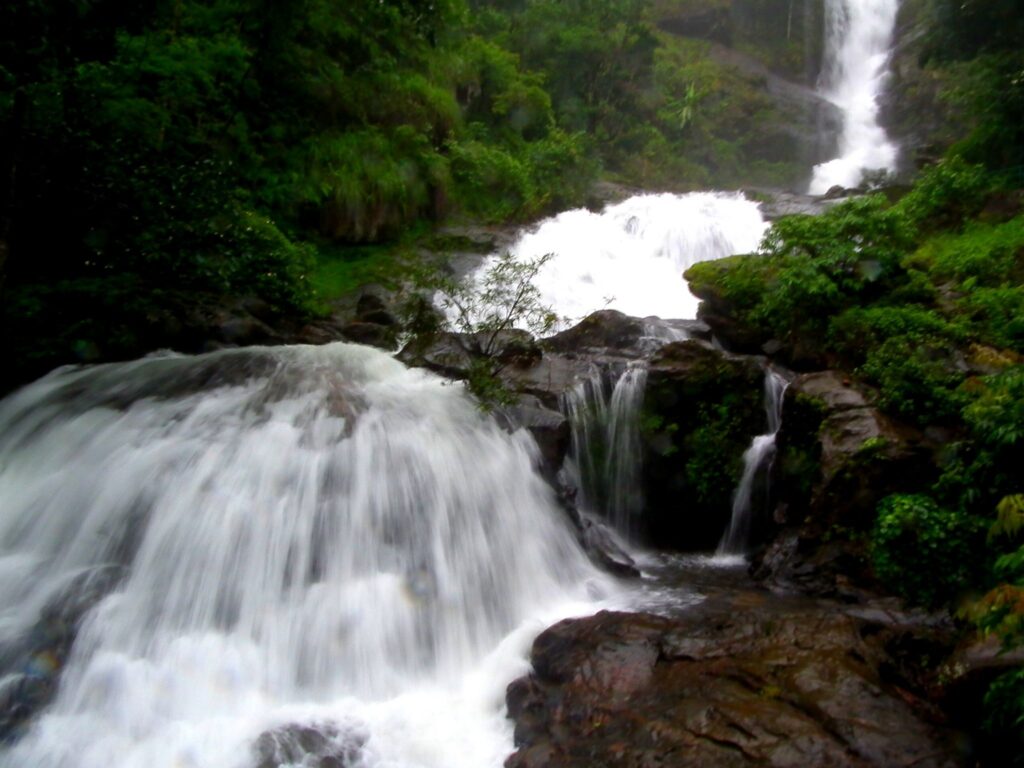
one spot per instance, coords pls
(743, 679)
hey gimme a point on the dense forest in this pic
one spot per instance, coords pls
(161, 152)
(162, 158)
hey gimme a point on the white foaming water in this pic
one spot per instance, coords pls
(858, 45)
(631, 256)
(605, 457)
(307, 535)
(757, 457)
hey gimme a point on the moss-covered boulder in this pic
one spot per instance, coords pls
(837, 458)
(702, 407)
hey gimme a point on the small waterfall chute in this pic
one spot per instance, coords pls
(605, 457)
(757, 461)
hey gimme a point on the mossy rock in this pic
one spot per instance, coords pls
(702, 407)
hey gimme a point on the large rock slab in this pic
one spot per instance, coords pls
(837, 457)
(748, 681)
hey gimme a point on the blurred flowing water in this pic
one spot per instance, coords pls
(631, 256)
(858, 46)
(301, 535)
(757, 462)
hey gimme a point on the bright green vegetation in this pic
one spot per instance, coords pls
(173, 155)
(167, 159)
(922, 300)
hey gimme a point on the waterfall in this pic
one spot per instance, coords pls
(631, 256)
(756, 464)
(605, 455)
(858, 46)
(284, 542)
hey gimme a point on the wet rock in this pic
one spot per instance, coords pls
(774, 204)
(597, 540)
(606, 331)
(320, 745)
(610, 337)
(836, 458)
(549, 429)
(549, 378)
(701, 409)
(741, 682)
(30, 668)
(442, 353)
(371, 334)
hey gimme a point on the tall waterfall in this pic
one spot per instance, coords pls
(605, 456)
(858, 46)
(756, 464)
(631, 256)
(300, 535)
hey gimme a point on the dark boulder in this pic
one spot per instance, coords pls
(702, 407)
(549, 429)
(738, 682)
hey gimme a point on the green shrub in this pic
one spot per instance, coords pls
(946, 194)
(917, 379)
(996, 415)
(490, 182)
(996, 315)
(923, 552)
(861, 329)
(983, 254)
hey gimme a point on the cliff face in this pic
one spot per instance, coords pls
(774, 50)
(913, 109)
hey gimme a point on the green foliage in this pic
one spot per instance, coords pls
(710, 476)
(996, 414)
(1004, 705)
(860, 329)
(923, 552)
(916, 380)
(946, 193)
(486, 311)
(985, 35)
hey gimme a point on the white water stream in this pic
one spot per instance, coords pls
(756, 465)
(857, 49)
(632, 255)
(308, 535)
(605, 456)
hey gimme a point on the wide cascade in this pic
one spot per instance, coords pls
(858, 45)
(312, 536)
(631, 256)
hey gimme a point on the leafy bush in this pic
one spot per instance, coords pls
(996, 415)
(1004, 710)
(917, 380)
(861, 329)
(946, 194)
(982, 254)
(923, 552)
(996, 315)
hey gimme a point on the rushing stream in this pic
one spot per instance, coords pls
(297, 535)
(858, 46)
(631, 256)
